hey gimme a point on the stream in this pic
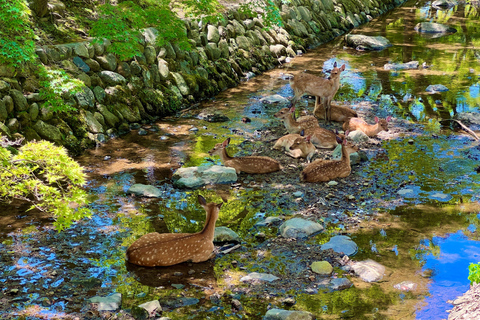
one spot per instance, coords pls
(417, 210)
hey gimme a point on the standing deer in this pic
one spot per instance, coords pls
(370, 130)
(166, 249)
(326, 170)
(323, 89)
(248, 164)
(294, 126)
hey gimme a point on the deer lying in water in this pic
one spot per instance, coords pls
(302, 147)
(370, 130)
(337, 113)
(248, 164)
(296, 126)
(166, 249)
(326, 170)
(323, 89)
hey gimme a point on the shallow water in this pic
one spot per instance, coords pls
(428, 234)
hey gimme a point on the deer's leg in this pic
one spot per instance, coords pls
(316, 104)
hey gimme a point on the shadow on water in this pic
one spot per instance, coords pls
(428, 237)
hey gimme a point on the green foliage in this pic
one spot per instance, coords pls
(45, 176)
(474, 272)
(16, 35)
(271, 13)
(55, 85)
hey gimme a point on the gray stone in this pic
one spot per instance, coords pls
(85, 78)
(48, 132)
(181, 84)
(276, 98)
(367, 42)
(111, 120)
(259, 277)
(150, 54)
(147, 309)
(93, 65)
(432, 27)
(470, 117)
(195, 177)
(85, 98)
(4, 86)
(440, 196)
(369, 270)
(238, 27)
(436, 88)
(40, 52)
(144, 190)
(33, 111)
(21, 103)
(13, 124)
(243, 43)
(111, 78)
(357, 136)
(99, 94)
(339, 284)
(109, 303)
(81, 64)
(92, 123)
(80, 49)
(46, 114)
(341, 244)
(299, 228)
(278, 50)
(124, 69)
(279, 314)
(224, 234)
(150, 35)
(9, 103)
(213, 35)
(108, 62)
(444, 4)
(401, 66)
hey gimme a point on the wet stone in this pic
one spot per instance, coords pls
(143, 190)
(323, 268)
(259, 277)
(279, 314)
(369, 270)
(109, 303)
(436, 88)
(224, 234)
(341, 244)
(340, 284)
(299, 228)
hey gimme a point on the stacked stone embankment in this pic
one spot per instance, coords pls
(118, 94)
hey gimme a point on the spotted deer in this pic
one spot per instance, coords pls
(337, 113)
(296, 126)
(248, 164)
(323, 89)
(167, 249)
(326, 170)
(370, 130)
(323, 138)
(286, 141)
(302, 147)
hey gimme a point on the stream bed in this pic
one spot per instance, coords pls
(415, 206)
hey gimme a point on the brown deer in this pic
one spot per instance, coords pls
(248, 164)
(166, 249)
(286, 141)
(326, 170)
(370, 130)
(337, 113)
(323, 89)
(302, 147)
(322, 138)
(294, 126)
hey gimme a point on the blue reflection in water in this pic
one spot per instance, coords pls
(450, 273)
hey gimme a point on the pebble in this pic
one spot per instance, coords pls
(332, 183)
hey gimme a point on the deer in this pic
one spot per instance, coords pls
(370, 130)
(323, 138)
(323, 89)
(167, 249)
(248, 164)
(337, 113)
(302, 147)
(286, 141)
(296, 126)
(325, 170)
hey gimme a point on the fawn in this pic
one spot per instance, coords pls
(323, 138)
(287, 140)
(323, 89)
(248, 164)
(294, 126)
(326, 170)
(370, 130)
(302, 147)
(337, 113)
(166, 249)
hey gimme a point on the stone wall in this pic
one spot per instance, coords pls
(120, 94)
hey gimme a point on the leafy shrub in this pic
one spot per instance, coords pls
(45, 176)
(474, 272)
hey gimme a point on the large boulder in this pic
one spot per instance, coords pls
(195, 177)
(367, 42)
(48, 132)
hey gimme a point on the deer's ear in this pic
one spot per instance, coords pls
(292, 109)
(307, 138)
(226, 142)
(219, 205)
(202, 200)
(376, 119)
(342, 68)
(389, 118)
(335, 64)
